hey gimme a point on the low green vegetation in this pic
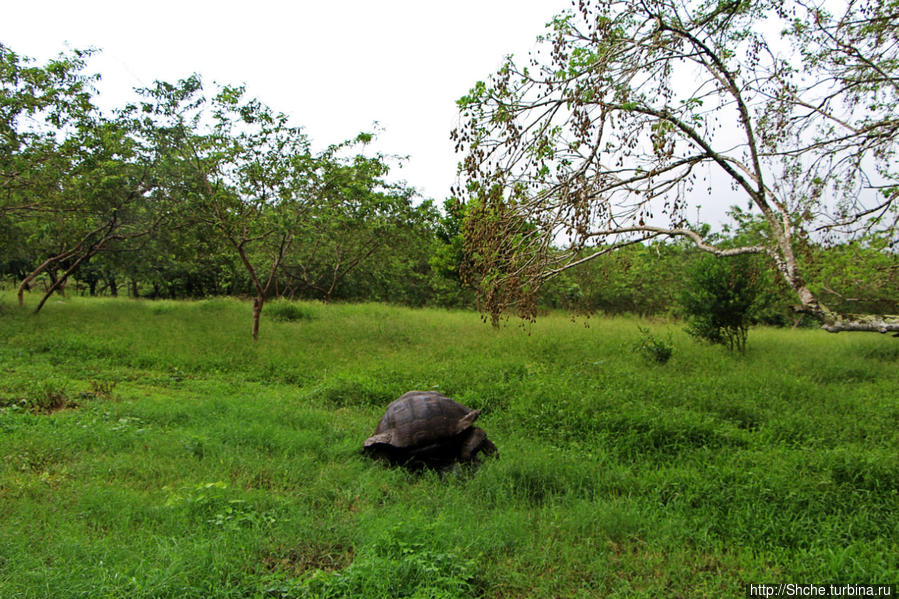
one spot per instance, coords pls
(653, 348)
(722, 298)
(150, 451)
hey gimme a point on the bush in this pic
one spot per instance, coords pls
(721, 298)
(654, 349)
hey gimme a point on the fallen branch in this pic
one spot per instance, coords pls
(877, 323)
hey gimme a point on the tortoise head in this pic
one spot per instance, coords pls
(474, 444)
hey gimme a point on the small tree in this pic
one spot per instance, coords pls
(235, 166)
(721, 298)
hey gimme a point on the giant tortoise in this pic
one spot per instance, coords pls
(426, 428)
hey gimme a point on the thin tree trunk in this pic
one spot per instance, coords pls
(56, 283)
(61, 256)
(27, 280)
(91, 251)
(261, 290)
(60, 282)
(258, 302)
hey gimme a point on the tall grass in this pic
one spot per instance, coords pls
(188, 462)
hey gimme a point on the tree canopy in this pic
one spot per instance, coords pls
(186, 184)
(631, 111)
(194, 189)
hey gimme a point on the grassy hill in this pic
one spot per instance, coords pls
(151, 450)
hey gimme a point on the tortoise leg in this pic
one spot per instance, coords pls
(437, 455)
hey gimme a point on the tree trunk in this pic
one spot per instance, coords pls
(258, 301)
(60, 282)
(26, 282)
(56, 283)
(261, 290)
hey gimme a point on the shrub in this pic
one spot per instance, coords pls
(721, 298)
(652, 348)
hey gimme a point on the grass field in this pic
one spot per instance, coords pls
(151, 450)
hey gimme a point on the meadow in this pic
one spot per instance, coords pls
(150, 449)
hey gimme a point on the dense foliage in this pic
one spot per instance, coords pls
(721, 299)
(194, 191)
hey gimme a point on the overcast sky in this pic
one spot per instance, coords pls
(335, 67)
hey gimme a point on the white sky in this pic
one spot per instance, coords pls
(335, 67)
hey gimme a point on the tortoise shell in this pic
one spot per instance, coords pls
(421, 418)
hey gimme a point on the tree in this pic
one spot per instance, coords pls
(356, 218)
(235, 166)
(447, 258)
(71, 180)
(42, 109)
(605, 138)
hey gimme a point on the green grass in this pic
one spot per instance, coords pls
(151, 450)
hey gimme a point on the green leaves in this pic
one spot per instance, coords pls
(474, 96)
(722, 297)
